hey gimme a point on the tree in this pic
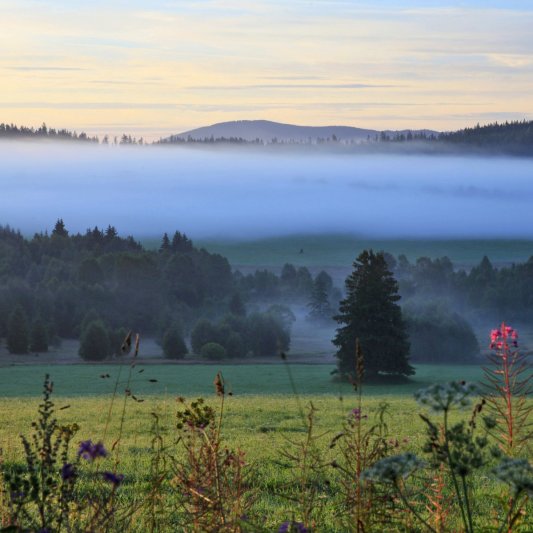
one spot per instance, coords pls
(370, 313)
(174, 346)
(165, 244)
(319, 306)
(17, 332)
(39, 336)
(59, 229)
(236, 305)
(94, 344)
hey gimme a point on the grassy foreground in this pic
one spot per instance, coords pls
(264, 425)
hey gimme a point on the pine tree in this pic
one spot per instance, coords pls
(17, 332)
(319, 307)
(370, 313)
(165, 244)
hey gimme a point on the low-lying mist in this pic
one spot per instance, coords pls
(252, 193)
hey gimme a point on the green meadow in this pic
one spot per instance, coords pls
(196, 379)
(340, 250)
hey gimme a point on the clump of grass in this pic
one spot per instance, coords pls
(360, 444)
(309, 488)
(210, 478)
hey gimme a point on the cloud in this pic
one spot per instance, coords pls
(297, 86)
(24, 68)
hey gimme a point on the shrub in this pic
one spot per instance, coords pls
(438, 335)
(213, 350)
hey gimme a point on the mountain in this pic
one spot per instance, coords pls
(266, 131)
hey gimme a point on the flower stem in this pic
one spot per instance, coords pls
(412, 509)
(454, 477)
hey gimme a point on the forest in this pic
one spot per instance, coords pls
(98, 285)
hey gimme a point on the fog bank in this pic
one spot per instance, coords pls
(244, 194)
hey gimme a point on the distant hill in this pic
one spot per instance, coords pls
(266, 131)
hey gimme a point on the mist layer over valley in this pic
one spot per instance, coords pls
(246, 193)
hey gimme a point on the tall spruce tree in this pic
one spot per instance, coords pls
(370, 313)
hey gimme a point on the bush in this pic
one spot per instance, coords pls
(213, 351)
(202, 333)
(438, 335)
(267, 337)
(94, 344)
(174, 346)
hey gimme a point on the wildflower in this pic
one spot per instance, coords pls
(292, 527)
(515, 472)
(356, 413)
(497, 336)
(17, 496)
(90, 451)
(114, 479)
(391, 469)
(441, 397)
(68, 472)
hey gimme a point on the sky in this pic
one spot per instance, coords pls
(152, 68)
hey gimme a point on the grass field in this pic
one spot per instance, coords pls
(188, 380)
(263, 417)
(323, 251)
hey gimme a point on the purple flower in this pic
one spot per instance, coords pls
(17, 496)
(292, 527)
(90, 451)
(356, 413)
(114, 479)
(68, 472)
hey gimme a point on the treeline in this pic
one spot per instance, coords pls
(58, 285)
(516, 136)
(12, 131)
(441, 303)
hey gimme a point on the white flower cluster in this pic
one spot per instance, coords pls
(515, 472)
(390, 469)
(443, 396)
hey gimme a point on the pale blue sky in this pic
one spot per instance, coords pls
(152, 68)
